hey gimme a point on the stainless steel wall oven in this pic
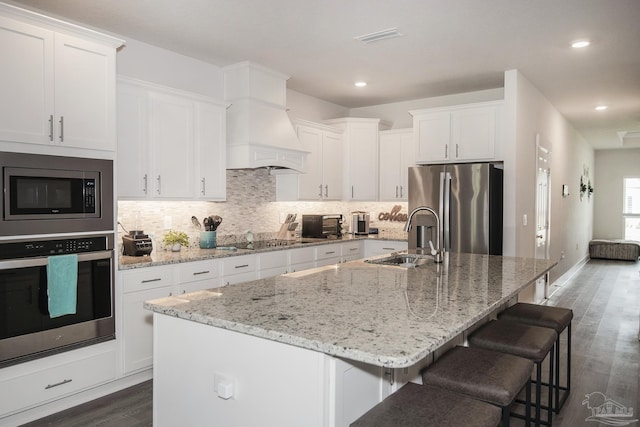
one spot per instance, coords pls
(27, 329)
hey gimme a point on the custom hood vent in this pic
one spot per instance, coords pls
(259, 132)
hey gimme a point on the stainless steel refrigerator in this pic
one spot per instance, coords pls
(468, 198)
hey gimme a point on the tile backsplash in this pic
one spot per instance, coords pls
(250, 206)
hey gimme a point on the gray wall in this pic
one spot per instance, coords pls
(611, 166)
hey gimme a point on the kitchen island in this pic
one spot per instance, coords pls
(318, 347)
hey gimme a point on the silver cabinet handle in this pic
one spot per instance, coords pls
(329, 253)
(145, 178)
(326, 191)
(203, 186)
(354, 249)
(401, 195)
(51, 127)
(388, 249)
(67, 381)
(320, 193)
(242, 266)
(159, 183)
(150, 280)
(446, 151)
(457, 155)
(61, 128)
(200, 272)
(352, 191)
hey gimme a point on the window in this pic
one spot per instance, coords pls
(631, 209)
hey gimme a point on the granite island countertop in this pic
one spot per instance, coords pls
(377, 314)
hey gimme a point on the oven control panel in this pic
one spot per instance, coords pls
(39, 248)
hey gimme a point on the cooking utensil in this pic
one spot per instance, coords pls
(215, 221)
(207, 224)
(196, 223)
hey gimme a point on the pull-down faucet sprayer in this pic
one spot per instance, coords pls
(437, 252)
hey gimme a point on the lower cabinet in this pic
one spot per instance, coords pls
(328, 254)
(381, 247)
(351, 251)
(238, 269)
(37, 382)
(272, 264)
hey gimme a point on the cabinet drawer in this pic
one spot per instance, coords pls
(328, 251)
(47, 384)
(197, 270)
(146, 278)
(238, 264)
(302, 255)
(272, 259)
(352, 250)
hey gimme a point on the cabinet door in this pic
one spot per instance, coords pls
(310, 183)
(407, 159)
(171, 127)
(211, 152)
(84, 93)
(432, 133)
(26, 86)
(332, 166)
(363, 162)
(133, 142)
(473, 133)
(390, 155)
(138, 328)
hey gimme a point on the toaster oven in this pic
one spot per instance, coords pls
(322, 226)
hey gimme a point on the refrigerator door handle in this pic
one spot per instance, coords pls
(445, 206)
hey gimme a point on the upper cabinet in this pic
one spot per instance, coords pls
(171, 143)
(396, 156)
(360, 151)
(323, 177)
(58, 83)
(459, 134)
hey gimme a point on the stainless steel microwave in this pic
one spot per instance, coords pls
(54, 194)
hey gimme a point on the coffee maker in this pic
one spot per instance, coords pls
(360, 222)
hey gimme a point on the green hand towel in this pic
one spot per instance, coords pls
(62, 280)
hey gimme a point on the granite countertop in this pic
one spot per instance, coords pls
(160, 256)
(382, 315)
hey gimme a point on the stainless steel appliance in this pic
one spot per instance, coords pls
(54, 194)
(468, 200)
(360, 222)
(27, 330)
(322, 226)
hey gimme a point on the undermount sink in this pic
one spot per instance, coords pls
(403, 260)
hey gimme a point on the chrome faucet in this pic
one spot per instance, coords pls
(437, 252)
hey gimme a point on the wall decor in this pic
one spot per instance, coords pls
(394, 215)
(583, 188)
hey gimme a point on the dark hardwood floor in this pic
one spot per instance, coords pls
(605, 298)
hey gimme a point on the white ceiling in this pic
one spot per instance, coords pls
(448, 46)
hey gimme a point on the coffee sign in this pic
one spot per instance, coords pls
(394, 215)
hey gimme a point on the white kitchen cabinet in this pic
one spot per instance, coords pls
(381, 247)
(302, 258)
(323, 177)
(45, 380)
(397, 152)
(272, 263)
(238, 269)
(197, 275)
(58, 83)
(328, 254)
(351, 251)
(459, 133)
(360, 151)
(171, 144)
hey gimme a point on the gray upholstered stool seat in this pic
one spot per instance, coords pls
(557, 318)
(482, 374)
(519, 339)
(416, 405)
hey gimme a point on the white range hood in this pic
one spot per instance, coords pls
(259, 132)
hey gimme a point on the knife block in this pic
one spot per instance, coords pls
(285, 233)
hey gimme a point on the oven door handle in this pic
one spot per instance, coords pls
(40, 261)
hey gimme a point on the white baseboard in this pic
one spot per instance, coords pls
(562, 280)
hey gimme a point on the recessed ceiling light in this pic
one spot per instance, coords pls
(360, 84)
(601, 107)
(578, 44)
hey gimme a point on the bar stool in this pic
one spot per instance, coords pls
(519, 339)
(557, 318)
(416, 405)
(489, 376)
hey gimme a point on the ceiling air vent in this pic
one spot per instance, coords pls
(379, 35)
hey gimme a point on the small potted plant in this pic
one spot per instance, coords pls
(175, 240)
